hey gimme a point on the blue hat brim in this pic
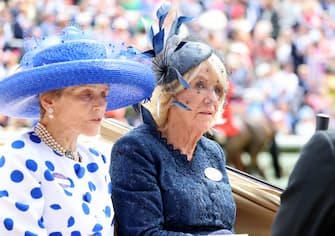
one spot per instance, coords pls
(130, 82)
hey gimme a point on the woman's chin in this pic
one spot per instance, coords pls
(205, 125)
(91, 132)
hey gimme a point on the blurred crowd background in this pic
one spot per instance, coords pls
(280, 53)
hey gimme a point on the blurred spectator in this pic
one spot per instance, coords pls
(270, 14)
(119, 114)
(306, 121)
(249, 34)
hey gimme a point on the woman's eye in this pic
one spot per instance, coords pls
(104, 95)
(87, 95)
(199, 85)
(218, 91)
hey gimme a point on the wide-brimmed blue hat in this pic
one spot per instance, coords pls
(70, 59)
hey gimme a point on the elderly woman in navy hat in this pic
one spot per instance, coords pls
(168, 179)
(50, 184)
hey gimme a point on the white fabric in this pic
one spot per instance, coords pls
(53, 192)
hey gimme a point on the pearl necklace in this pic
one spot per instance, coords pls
(46, 137)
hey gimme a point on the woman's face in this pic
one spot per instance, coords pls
(80, 109)
(204, 98)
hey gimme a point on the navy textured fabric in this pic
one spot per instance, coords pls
(156, 191)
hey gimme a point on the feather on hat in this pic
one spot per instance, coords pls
(172, 55)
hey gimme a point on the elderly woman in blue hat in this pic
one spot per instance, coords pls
(168, 179)
(50, 184)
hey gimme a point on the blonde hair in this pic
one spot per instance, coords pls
(161, 99)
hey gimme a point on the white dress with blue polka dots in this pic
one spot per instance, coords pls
(43, 193)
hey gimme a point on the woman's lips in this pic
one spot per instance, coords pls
(206, 112)
(98, 120)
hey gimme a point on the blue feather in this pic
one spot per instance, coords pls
(151, 35)
(149, 53)
(180, 105)
(177, 23)
(181, 20)
(181, 79)
(146, 24)
(180, 45)
(162, 12)
(158, 42)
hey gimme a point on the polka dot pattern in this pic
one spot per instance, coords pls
(86, 209)
(77, 195)
(21, 206)
(4, 193)
(91, 186)
(34, 138)
(80, 171)
(75, 233)
(87, 197)
(110, 187)
(103, 158)
(97, 227)
(71, 182)
(36, 193)
(55, 234)
(41, 223)
(68, 193)
(48, 176)
(49, 165)
(18, 144)
(70, 221)
(108, 211)
(2, 161)
(55, 206)
(92, 167)
(58, 154)
(31, 165)
(9, 224)
(28, 233)
(94, 152)
(16, 176)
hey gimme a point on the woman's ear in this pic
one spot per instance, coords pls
(46, 100)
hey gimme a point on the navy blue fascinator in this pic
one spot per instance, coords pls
(172, 55)
(70, 59)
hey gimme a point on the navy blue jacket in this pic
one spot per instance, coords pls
(156, 191)
(308, 203)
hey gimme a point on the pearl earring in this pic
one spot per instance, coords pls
(51, 111)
